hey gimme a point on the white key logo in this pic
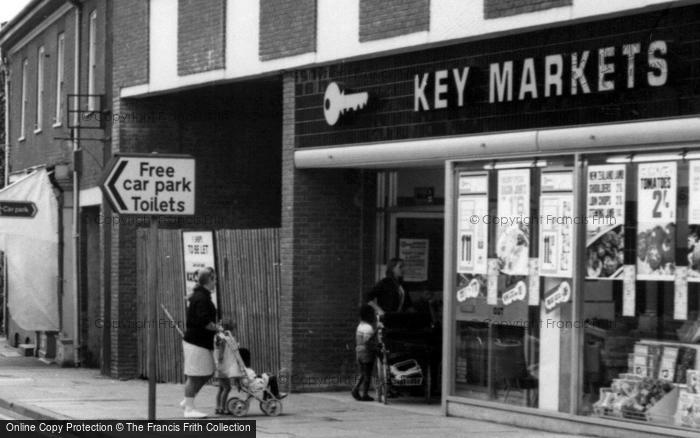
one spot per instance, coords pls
(336, 102)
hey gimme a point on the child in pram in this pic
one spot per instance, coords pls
(264, 383)
(233, 366)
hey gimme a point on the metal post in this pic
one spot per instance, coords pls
(449, 325)
(579, 248)
(153, 326)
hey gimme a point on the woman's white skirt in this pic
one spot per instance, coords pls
(198, 360)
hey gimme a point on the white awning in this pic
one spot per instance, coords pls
(435, 151)
(31, 246)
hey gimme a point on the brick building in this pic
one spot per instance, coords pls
(452, 110)
(55, 55)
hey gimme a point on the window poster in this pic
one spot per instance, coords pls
(694, 222)
(656, 215)
(198, 247)
(470, 287)
(680, 294)
(492, 283)
(556, 226)
(629, 290)
(513, 238)
(605, 220)
(533, 284)
(414, 253)
(472, 247)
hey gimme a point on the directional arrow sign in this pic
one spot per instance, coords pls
(17, 209)
(151, 184)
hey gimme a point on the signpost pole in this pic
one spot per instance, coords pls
(153, 332)
(151, 185)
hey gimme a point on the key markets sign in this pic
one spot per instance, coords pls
(151, 184)
(606, 70)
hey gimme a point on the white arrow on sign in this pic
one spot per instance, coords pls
(151, 185)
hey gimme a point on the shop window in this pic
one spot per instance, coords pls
(642, 290)
(514, 267)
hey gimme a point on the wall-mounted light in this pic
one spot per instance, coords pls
(645, 158)
(515, 164)
(617, 159)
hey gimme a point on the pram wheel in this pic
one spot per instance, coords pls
(271, 407)
(237, 407)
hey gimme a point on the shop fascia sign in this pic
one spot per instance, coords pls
(449, 85)
(337, 102)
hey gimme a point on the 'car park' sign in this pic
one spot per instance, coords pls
(151, 184)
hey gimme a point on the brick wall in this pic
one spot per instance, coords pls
(47, 146)
(505, 8)
(201, 35)
(287, 28)
(131, 42)
(388, 18)
(322, 277)
(95, 142)
(238, 176)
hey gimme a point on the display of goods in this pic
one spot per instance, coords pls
(685, 364)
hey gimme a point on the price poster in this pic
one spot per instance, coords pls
(513, 240)
(694, 222)
(656, 215)
(472, 246)
(605, 220)
(198, 247)
(414, 253)
(556, 227)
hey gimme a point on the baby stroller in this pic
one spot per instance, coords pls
(247, 383)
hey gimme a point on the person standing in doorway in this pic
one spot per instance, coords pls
(198, 342)
(389, 294)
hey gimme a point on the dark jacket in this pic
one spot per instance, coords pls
(386, 291)
(200, 312)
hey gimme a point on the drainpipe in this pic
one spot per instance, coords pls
(6, 74)
(6, 77)
(75, 136)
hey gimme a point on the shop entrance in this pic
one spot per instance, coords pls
(418, 239)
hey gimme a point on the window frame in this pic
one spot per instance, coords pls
(23, 102)
(60, 78)
(91, 61)
(40, 66)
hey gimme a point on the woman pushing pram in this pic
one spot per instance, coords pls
(233, 368)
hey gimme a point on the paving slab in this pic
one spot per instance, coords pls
(35, 389)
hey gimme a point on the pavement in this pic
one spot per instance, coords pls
(30, 388)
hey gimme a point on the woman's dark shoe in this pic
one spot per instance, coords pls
(366, 398)
(356, 395)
